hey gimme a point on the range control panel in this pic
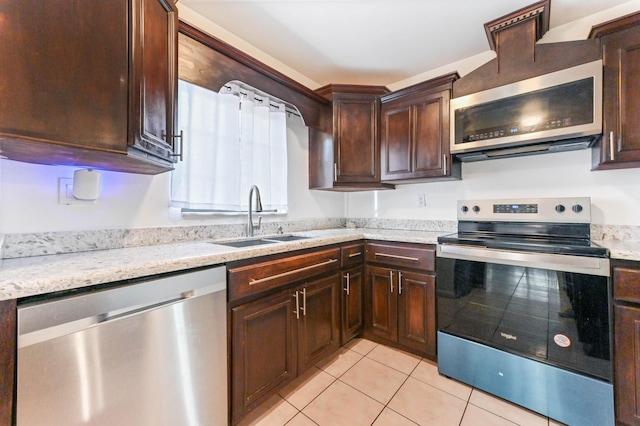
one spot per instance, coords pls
(561, 210)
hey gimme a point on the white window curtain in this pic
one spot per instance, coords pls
(233, 139)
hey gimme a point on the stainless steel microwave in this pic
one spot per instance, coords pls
(552, 112)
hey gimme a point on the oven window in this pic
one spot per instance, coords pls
(556, 317)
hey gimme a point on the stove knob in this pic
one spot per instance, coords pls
(476, 209)
(559, 208)
(577, 208)
(464, 209)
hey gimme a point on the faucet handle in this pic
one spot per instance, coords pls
(259, 223)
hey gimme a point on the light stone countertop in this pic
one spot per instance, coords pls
(37, 275)
(623, 250)
(29, 276)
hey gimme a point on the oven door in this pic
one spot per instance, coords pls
(550, 308)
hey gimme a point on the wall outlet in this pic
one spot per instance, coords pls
(65, 193)
(422, 200)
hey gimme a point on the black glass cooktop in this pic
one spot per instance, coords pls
(541, 238)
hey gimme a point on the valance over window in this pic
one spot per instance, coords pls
(233, 139)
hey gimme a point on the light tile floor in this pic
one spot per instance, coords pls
(370, 384)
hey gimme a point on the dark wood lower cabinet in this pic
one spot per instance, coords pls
(381, 301)
(263, 351)
(401, 306)
(400, 296)
(352, 295)
(7, 360)
(319, 320)
(627, 364)
(416, 311)
(276, 338)
(626, 342)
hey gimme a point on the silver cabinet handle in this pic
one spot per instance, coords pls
(612, 150)
(395, 256)
(295, 271)
(335, 172)
(297, 311)
(390, 281)
(304, 302)
(399, 282)
(180, 153)
(355, 254)
(444, 163)
(346, 289)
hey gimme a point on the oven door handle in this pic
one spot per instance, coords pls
(557, 262)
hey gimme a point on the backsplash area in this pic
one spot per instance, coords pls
(46, 243)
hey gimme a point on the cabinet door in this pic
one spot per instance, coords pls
(64, 74)
(381, 302)
(416, 311)
(352, 297)
(431, 142)
(356, 138)
(263, 351)
(7, 360)
(397, 141)
(620, 145)
(627, 364)
(319, 319)
(415, 137)
(154, 56)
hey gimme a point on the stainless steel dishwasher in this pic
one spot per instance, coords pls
(153, 352)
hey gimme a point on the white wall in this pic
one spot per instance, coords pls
(28, 192)
(29, 197)
(615, 194)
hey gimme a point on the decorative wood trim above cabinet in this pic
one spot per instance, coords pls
(539, 12)
(209, 62)
(519, 57)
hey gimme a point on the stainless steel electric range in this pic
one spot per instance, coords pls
(523, 301)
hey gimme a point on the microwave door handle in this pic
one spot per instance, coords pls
(561, 263)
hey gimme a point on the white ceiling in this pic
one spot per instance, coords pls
(372, 41)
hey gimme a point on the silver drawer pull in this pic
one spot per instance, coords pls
(395, 256)
(355, 254)
(612, 150)
(295, 271)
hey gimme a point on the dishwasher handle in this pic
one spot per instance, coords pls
(40, 321)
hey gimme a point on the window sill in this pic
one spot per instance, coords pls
(206, 212)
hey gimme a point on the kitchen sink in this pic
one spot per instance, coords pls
(286, 238)
(246, 243)
(261, 241)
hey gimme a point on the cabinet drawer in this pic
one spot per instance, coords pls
(414, 256)
(626, 284)
(266, 275)
(352, 255)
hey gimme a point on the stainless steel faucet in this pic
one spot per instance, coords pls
(250, 226)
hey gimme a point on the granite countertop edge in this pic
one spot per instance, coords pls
(31, 276)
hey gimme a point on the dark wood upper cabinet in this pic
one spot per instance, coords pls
(354, 145)
(89, 83)
(415, 131)
(620, 144)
